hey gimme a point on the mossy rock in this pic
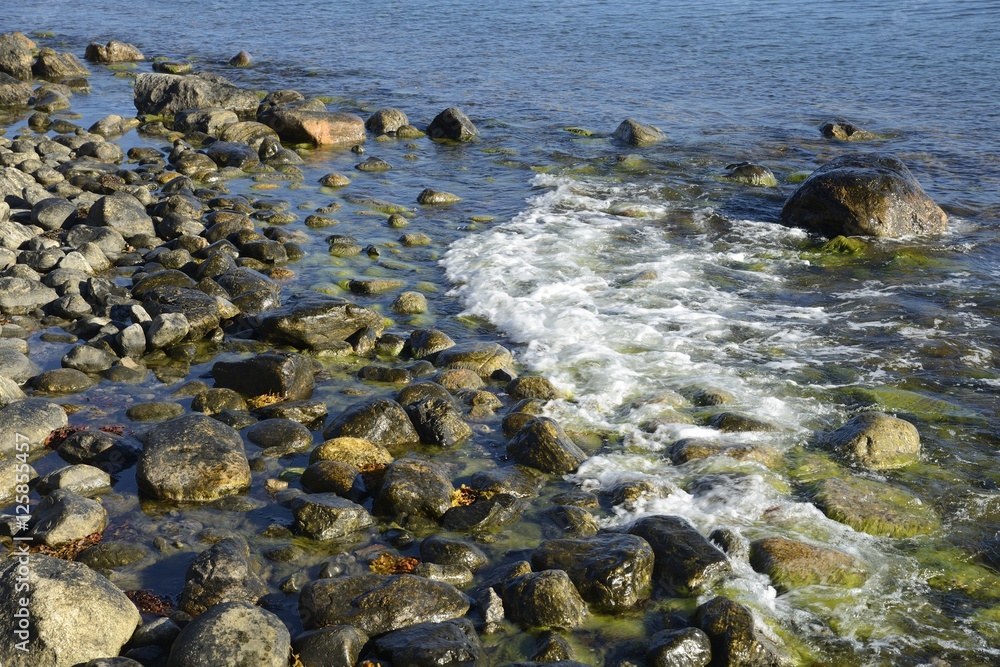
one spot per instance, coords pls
(903, 401)
(876, 508)
(579, 131)
(845, 245)
(792, 564)
(949, 569)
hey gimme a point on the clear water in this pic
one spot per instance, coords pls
(800, 337)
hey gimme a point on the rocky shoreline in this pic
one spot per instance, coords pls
(386, 526)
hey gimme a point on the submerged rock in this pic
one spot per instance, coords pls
(751, 174)
(876, 441)
(113, 52)
(876, 508)
(316, 322)
(452, 124)
(791, 564)
(232, 633)
(633, 133)
(864, 194)
(845, 131)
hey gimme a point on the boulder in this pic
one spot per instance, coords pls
(336, 646)
(452, 124)
(875, 507)
(870, 194)
(542, 444)
(199, 309)
(122, 213)
(633, 133)
(532, 386)
(225, 572)
(32, 420)
(751, 174)
(16, 367)
(54, 66)
(792, 564)
(52, 213)
(324, 128)
(316, 322)
(377, 604)
(451, 643)
(684, 561)
(15, 55)
(545, 599)
(21, 296)
(284, 377)
(327, 516)
(379, 420)
(232, 633)
(843, 130)
(613, 572)
(484, 515)
(438, 422)
(429, 197)
(386, 121)
(107, 451)
(450, 551)
(208, 120)
(113, 52)
(192, 458)
(735, 640)
(232, 154)
(81, 478)
(357, 452)
(14, 92)
(486, 359)
(166, 94)
(167, 329)
(9, 392)
(64, 517)
(876, 441)
(113, 126)
(684, 647)
(425, 343)
(88, 359)
(280, 437)
(67, 602)
(411, 487)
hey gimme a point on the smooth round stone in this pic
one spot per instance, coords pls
(62, 381)
(280, 434)
(154, 412)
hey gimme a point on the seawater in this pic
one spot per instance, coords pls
(725, 296)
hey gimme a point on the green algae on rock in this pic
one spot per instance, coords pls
(876, 508)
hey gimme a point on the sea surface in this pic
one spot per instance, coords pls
(632, 276)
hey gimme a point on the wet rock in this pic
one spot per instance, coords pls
(376, 604)
(379, 420)
(438, 422)
(214, 401)
(545, 599)
(409, 303)
(542, 444)
(303, 412)
(532, 386)
(9, 392)
(321, 127)
(14, 474)
(154, 412)
(64, 516)
(333, 477)
(14, 93)
(427, 342)
(633, 133)
(167, 330)
(88, 359)
(452, 643)
(483, 515)
(613, 572)
(573, 521)
(411, 487)
(685, 562)
(457, 380)
(112, 554)
(428, 197)
(67, 602)
(281, 376)
(876, 441)
(451, 551)
(731, 422)
(316, 322)
(452, 124)
(107, 451)
(123, 213)
(208, 120)
(54, 66)
(15, 366)
(232, 633)
(166, 94)
(735, 640)
(20, 296)
(373, 164)
(486, 359)
(113, 126)
(864, 195)
(241, 59)
(15, 55)
(685, 647)
(414, 240)
(386, 121)
(225, 572)
(232, 154)
(113, 52)
(371, 286)
(751, 174)
(280, 437)
(389, 375)
(327, 516)
(82, 479)
(876, 508)
(33, 419)
(792, 564)
(358, 453)
(200, 309)
(845, 131)
(337, 646)
(334, 181)
(248, 132)
(192, 458)
(691, 449)
(551, 647)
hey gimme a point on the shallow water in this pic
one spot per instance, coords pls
(800, 336)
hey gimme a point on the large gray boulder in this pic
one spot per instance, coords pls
(317, 322)
(876, 441)
(20, 296)
(192, 458)
(685, 561)
(167, 94)
(64, 517)
(15, 55)
(76, 615)
(232, 633)
(870, 194)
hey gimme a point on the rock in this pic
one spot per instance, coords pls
(52, 213)
(232, 154)
(864, 195)
(515, 480)
(15, 366)
(751, 174)
(154, 412)
(64, 516)
(167, 94)
(386, 121)
(67, 602)
(376, 604)
(15, 55)
(734, 637)
(545, 599)
(81, 479)
(241, 59)
(327, 516)
(374, 285)
(14, 479)
(215, 401)
(303, 412)
(337, 646)
(113, 126)
(358, 453)
(425, 343)
(123, 213)
(14, 93)
(379, 420)
(113, 52)
(452, 124)
(792, 564)
(131, 341)
(225, 572)
(876, 508)
(201, 310)
(33, 419)
(232, 633)
(333, 477)
(409, 303)
(573, 521)
(452, 643)
(551, 647)
(107, 240)
(732, 422)
(334, 181)
(249, 132)
(613, 572)
(316, 322)
(450, 551)
(54, 66)
(685, 647)
(414, 240)
(88, 359)
(685, 562)
(167, 330)
(112, 554)
(300, 125)
(209, 120)
(373, 165)
(876, 441)
(542, 444)
(12, 184)
(20, 296)
(486, 359)
(192, 458)
(633, 133)
(107, 451)
(531, 386)
(483, 515)
(438, 422)
(284, 377)
(411, 487)
(429, 197)
(9, 392)
(845, 131)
